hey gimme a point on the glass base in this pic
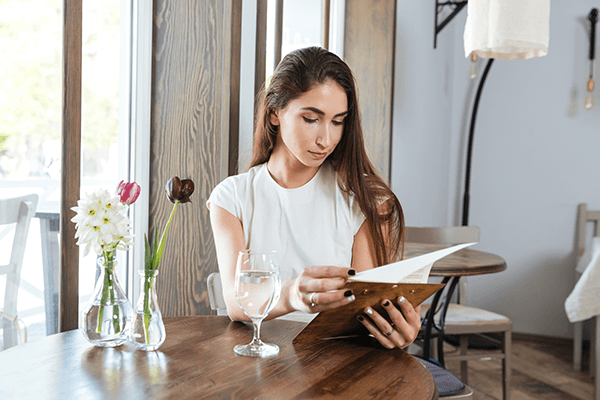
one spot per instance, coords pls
(260, 349)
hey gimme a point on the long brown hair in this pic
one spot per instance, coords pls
(297, 73)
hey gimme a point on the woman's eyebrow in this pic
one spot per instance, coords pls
(317, 111)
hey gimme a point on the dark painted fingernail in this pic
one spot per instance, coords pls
(351, 272)
(360, 318)
(348, 293)
(387, 303)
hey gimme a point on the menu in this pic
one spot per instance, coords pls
(406, 278)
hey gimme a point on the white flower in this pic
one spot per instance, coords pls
(101, 223)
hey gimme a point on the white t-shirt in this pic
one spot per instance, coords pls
(314, 224)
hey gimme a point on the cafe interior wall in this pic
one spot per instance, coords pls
(535, 156)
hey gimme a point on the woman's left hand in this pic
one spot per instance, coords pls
(405, 326)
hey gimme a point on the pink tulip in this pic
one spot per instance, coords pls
(128, 192)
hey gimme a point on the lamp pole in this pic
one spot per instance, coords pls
(466, 196)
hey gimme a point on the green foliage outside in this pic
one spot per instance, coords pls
(31, 77)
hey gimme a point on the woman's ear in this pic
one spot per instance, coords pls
(274, 118)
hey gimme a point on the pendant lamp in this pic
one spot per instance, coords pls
(507, 29)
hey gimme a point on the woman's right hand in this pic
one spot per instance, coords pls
(318, 288)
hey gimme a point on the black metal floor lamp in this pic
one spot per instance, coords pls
(466, 196)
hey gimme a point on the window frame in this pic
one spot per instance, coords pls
(134, 139)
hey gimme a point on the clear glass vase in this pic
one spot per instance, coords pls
(148, 327)
(106, 319)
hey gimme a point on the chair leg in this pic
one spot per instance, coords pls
(506, 366)
(593, 346)
(9, 333)
(577, 334)
(596, 351)
(434, 345)
(440, 348)
(464, 345)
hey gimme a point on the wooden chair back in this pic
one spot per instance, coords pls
(585, 216)
(449, 235)
(19, 211)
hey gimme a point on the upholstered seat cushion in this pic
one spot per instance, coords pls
(464, 319)
(447, 384)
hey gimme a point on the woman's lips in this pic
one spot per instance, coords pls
(317, 155)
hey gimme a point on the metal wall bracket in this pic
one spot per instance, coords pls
(456, 6)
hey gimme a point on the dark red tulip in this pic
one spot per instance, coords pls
(179, 190)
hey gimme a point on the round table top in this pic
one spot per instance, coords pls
(464, 262)
(197, 361)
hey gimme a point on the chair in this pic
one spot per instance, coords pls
(447, 318)
(215, 294)
(17, 210)
(585, 216)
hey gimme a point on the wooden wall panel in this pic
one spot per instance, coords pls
(191, 88)
(369, 50)
(70, 164)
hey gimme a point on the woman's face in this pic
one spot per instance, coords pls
(311, 126)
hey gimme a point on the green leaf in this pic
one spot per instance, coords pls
(147, 254)
(155, 244)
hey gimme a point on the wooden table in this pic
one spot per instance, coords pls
(197, 361)
(464, 262)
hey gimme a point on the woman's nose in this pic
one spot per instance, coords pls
(324, 137)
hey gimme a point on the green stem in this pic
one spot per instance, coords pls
(108, 292)
(161, 245)
(148, 281)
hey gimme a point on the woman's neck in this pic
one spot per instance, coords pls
(288, 172)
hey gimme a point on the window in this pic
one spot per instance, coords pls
(116, 43)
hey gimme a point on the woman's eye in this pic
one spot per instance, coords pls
(309, 120)
(337, 123)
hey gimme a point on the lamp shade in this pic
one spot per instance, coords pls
(507, 29)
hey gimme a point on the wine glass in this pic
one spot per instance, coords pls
(257, 290)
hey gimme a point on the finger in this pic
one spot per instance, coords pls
(308, 285)
(407, 320)
(376, 332)
(400, 333)
(328, 271)
(383, 325)
(395, 315)
(411, 315)
(326, 301)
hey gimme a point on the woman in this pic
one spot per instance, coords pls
(312, 195)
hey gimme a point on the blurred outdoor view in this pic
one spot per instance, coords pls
(30, 130)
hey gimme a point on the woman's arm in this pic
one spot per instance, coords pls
(229, 241)
(295, 294)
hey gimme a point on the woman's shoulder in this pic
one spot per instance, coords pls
(241, 185)
(228, 193)
(243, 179)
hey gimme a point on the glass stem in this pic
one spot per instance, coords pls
(256, 323)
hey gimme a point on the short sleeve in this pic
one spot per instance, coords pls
(225, 196)
(357, 216)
